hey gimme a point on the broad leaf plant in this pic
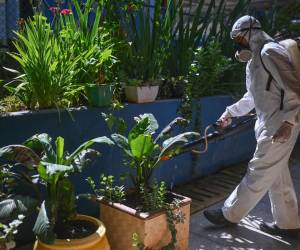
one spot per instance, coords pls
(43, 165)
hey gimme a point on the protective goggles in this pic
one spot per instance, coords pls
(234, 34)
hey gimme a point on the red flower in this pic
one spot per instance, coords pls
(54, 10)
(66, 12)
(131, 7)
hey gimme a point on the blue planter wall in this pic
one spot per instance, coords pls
(9, 15)
(80, 125)
(86, 123)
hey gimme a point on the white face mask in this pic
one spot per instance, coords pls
(243, 55)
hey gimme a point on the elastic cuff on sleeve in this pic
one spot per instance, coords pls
(228, 110)
(291, 120)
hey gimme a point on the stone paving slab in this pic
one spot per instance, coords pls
(245, 236)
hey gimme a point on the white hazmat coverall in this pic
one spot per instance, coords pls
(268, 170)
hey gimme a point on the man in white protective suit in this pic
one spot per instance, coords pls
(272, 84)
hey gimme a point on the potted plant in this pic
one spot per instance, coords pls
(7, 232)
(87, 39)
(47, 70)
(99, 94)
(146, 216)
(58, 226)
(141, 62)
(141, 92)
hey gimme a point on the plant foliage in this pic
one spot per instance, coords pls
(47, 73)
(83, 35)
(51, 167)
(144, 152)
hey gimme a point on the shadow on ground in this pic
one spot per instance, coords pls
(246, 235)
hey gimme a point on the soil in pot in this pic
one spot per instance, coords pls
(76, 229)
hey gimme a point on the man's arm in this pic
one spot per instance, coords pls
(245, 104)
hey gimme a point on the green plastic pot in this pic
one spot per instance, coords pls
(99, 95)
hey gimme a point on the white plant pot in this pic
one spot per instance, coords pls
(141, 94)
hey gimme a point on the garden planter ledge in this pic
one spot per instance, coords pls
(122, 222)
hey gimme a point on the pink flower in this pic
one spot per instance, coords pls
(54, 10)
(66, 12)
(131, 8)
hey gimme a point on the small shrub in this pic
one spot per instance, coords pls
(206, 71)
(11, 104)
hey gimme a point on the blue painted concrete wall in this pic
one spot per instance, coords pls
(9, 15)
(85, 124)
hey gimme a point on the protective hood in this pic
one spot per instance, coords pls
(250, 28)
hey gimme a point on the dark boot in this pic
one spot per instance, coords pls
(272, 228)
(216, 217)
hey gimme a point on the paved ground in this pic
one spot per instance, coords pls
(246, 236)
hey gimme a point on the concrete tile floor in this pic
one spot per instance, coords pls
(245, 236)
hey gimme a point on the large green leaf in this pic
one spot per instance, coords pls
(20, 154)
(122, 142)
(60, 143)
(41, 143)
(173, 144)
(84, 159)
(146, 124)
(86, 145)
(43, 227)
(179, 121)
(10, 208)
(152, 122)
(51, 172)
(142, 146)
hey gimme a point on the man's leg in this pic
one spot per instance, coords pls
(284, 202)
(267, 164)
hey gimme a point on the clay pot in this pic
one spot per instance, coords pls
(95, 241)
(122, 222)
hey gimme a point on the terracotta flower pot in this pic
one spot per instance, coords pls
(122, 222)
(141, 94)
(95, 241)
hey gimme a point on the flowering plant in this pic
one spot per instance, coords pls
(85, 38)
(66, 12)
